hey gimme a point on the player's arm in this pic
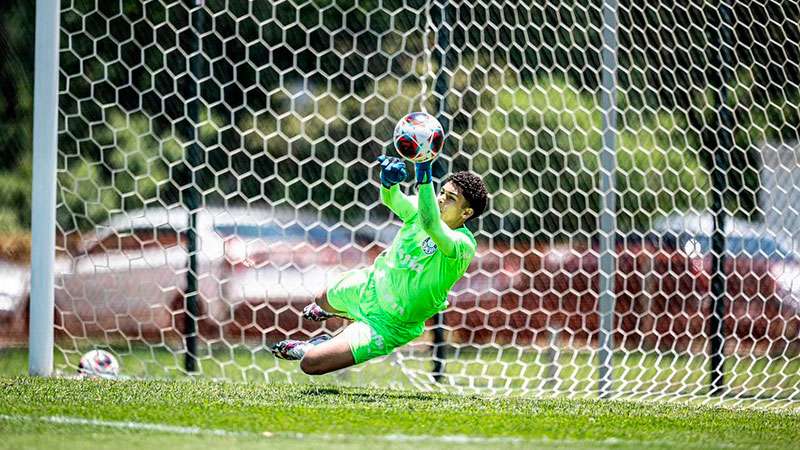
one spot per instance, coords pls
(400, 204)
(451, 243)
(393, 172)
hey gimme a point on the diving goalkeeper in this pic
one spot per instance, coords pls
(408, 283)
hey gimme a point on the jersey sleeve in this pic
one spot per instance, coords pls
(400, 204)
(451, 243)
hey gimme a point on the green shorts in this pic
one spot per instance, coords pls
(374, 333)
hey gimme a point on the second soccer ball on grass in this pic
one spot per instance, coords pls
(418, 137)
(98, 364)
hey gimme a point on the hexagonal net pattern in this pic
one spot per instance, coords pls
(226, 153)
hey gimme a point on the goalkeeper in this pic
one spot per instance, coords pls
(408, 283)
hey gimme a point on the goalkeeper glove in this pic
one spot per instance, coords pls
(424, 172)
(393, 171)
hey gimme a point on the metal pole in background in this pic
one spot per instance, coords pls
(442, 55)
(194, 159)
(43, 213)
(608, 163)
(719, 174)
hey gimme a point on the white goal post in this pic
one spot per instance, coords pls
(208, 166)
(43, 218)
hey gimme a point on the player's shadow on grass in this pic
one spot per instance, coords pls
(320, 391)
(368, 397)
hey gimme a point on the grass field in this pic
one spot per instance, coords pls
(72, 414)
(758, 381)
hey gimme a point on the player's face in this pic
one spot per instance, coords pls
(453, 206)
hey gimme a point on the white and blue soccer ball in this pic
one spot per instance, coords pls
(418, 137)
(98, 364)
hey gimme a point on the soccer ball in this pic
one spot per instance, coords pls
(98, 364)
(418, 137)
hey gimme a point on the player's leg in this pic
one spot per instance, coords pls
(357, 343)
(341, 298)
(328, 356)
(321, 309)
(321, 354)
(294, 350)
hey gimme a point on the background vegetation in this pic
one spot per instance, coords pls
(294, 100)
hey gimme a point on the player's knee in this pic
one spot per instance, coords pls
(311, 365)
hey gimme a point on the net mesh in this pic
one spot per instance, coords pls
(265, 120)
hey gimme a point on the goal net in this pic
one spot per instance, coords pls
(217, 165)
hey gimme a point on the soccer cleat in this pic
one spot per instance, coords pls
(294, 350)
(316, 314)
(290, 349)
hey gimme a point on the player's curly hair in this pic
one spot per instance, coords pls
(473, 189)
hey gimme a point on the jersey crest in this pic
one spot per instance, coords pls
(428, 246)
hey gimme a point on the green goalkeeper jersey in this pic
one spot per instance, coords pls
(409, 281)
(414, 275)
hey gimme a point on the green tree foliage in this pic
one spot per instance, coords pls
(136, 165)
(16, 113)
(539, 145)
(296, 99)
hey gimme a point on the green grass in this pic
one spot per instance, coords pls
(240, 365)
(758, 381)
(346, 417)
(632, 372)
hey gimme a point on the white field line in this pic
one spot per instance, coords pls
(445, 439)
(139, 426)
